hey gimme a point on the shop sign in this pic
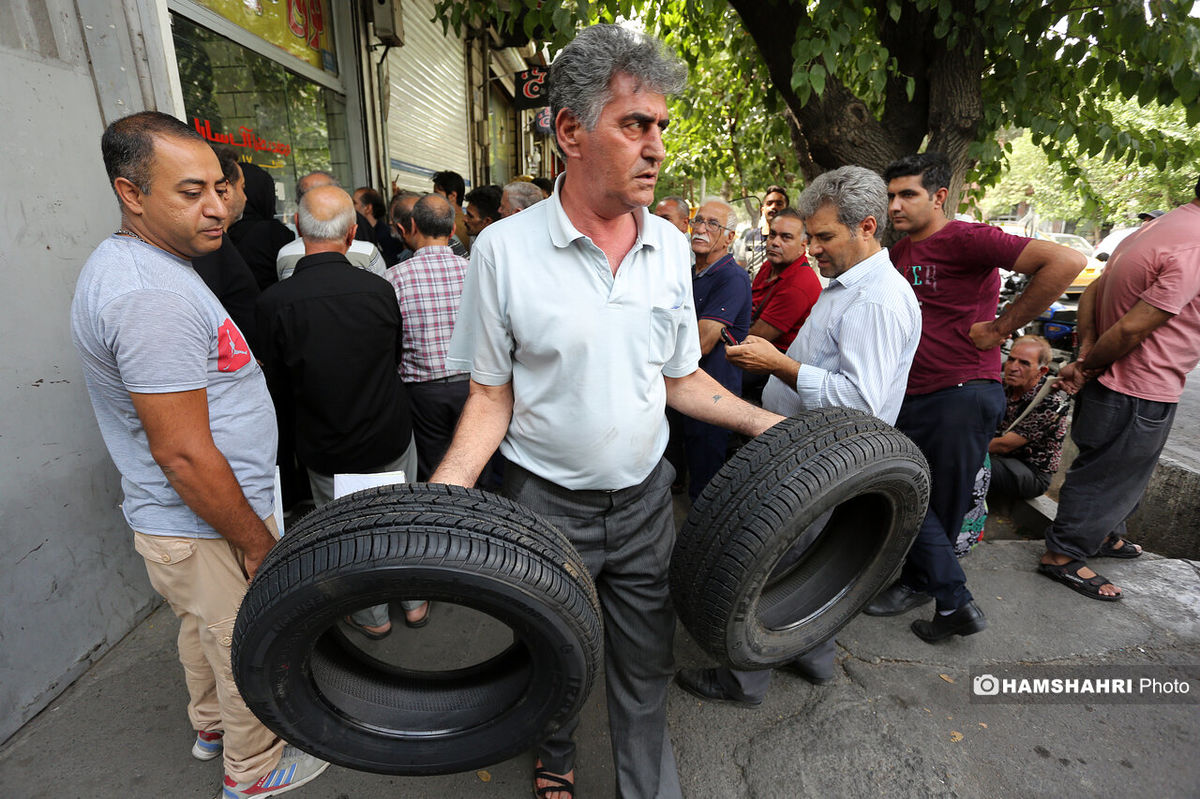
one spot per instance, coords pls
(245, 137)
(544, 123)
(532, 88)
(301, 27)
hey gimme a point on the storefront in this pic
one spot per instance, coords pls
(274, 79)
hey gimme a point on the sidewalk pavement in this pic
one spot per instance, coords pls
(897, 721)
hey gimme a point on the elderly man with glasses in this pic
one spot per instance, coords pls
(721, 290)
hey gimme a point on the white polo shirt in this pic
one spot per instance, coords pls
(586, 351)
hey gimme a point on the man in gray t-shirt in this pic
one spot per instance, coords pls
(185, 413)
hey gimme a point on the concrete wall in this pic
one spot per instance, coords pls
(71, 585)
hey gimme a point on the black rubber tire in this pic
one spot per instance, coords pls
(299, 675)
(754, 512)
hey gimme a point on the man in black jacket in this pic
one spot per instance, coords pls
(332, 337)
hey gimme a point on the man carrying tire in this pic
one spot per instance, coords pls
(854, 351)
(577, 324)
(185, 413)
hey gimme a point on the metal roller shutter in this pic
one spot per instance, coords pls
(427, 107)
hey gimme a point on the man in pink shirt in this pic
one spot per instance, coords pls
(1139, 332)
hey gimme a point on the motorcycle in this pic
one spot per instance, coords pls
(1057, 324)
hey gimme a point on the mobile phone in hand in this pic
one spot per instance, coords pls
(728, 338)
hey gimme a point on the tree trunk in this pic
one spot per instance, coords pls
(837, 128)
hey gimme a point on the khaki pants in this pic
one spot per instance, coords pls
(203, 580)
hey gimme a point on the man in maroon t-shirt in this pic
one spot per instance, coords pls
(954, 400)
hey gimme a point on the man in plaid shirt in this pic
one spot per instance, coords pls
(428, 287)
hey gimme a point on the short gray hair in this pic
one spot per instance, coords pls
(332, 229)
(855, 193)
(522, 194)
(733, 219)
(581, 74)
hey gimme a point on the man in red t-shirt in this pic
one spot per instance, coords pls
(1139, 336)
(954, 400)
(783, 295)
(784, 291)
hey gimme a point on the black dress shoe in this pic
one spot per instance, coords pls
(896, 599)
(967, 620)
(703, 683)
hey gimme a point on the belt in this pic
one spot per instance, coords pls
(976, 382)
(458, 378)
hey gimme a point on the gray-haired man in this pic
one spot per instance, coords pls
(518, 196)
(854, 352)
(352, 413)
(578, 327)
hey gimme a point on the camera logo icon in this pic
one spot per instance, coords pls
(985, 685)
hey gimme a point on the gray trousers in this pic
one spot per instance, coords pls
(1012, 477)
(322, 491)
(753, 684)
(625, 538)
(1119, 438)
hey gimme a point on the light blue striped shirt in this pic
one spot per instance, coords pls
(856, 346)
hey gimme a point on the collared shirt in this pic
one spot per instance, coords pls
(1044, 427)
(857, 345)
(331, 339)
(428, 287)
(362, 254)
(586, 351)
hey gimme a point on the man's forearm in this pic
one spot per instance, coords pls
(177, 431)
(1051, 269)
(1085, 317)
(481, 427)
(206, 483)
(1046, 286)
(699, 396)
(1129, 331)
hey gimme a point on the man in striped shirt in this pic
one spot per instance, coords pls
(428, 287)
(854, 351)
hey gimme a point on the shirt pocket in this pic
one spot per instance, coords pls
(664, 333)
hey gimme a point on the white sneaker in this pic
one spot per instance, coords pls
(294, 769)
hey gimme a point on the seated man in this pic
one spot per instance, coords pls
(1028, 445)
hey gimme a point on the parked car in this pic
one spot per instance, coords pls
(1077, 243)
(1096, 260)
(1109, 243)
(1085, 278)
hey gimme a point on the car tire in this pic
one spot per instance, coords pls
(751, 582)
(308, 684)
